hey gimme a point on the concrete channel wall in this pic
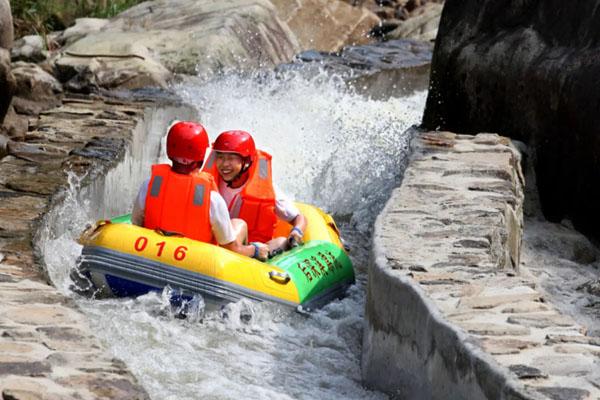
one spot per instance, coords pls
(449, 313)
(47, 348)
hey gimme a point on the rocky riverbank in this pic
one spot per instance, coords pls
(47, 348)
(450, 306)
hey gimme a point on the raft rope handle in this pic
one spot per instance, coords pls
(279, 277)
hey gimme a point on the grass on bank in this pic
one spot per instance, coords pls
(44, 16)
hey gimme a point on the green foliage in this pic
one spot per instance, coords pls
(44, 16)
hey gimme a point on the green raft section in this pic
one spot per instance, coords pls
(317, 268)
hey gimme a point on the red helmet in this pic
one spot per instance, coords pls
(187, 142)
(238, 142)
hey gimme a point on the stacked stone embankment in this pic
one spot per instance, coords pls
(450, 312)
(47, 349)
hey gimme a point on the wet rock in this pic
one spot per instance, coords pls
(494, 329)
(22, 209)
(38, 314)
(6, 25)
(564, 393)
(565, 365)
(381, 70)
(384, 27)
(24, 368)
(15, 125)
(31, 48)
(501, 66)
(326, 25)
(561, 241)
(541, 320)
(34, 83)
(69, 339)
(421, 27)
(526, 372)
(592, 287)
(103, 148)
(24, 107)
(107, 388)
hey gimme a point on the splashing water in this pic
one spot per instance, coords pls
(332, 148)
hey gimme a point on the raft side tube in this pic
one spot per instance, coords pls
(149, 247)
(131, 259)
(131, 270)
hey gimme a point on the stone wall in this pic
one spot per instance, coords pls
(47, 349)
(527, 69)
(450, 311)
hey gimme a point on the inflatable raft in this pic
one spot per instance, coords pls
(122, 259)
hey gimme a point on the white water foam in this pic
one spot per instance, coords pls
(331, 147)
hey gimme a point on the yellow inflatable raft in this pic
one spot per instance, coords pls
(127, 260)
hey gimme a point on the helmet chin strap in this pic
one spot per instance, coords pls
(240, 174)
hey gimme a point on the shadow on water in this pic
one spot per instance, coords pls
(332, 148)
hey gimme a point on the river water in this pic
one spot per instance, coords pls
(331, 147)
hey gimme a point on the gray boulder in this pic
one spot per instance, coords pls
(527, 69)
(99, 62)
(29, 48)
(33, 82)
(36, 90)
(326, 25)
(148, 43)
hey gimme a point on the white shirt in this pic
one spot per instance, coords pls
(220, 221)
(284, 208)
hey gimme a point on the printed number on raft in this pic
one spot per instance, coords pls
(141, 243)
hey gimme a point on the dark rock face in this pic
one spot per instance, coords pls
(7, 83)
(527, 69)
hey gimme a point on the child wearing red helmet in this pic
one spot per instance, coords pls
(243, 176)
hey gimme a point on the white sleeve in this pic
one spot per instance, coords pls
(220, 220)
(139, 205)
(284, 207)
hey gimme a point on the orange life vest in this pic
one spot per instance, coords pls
(257, 196)
(179, 203)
